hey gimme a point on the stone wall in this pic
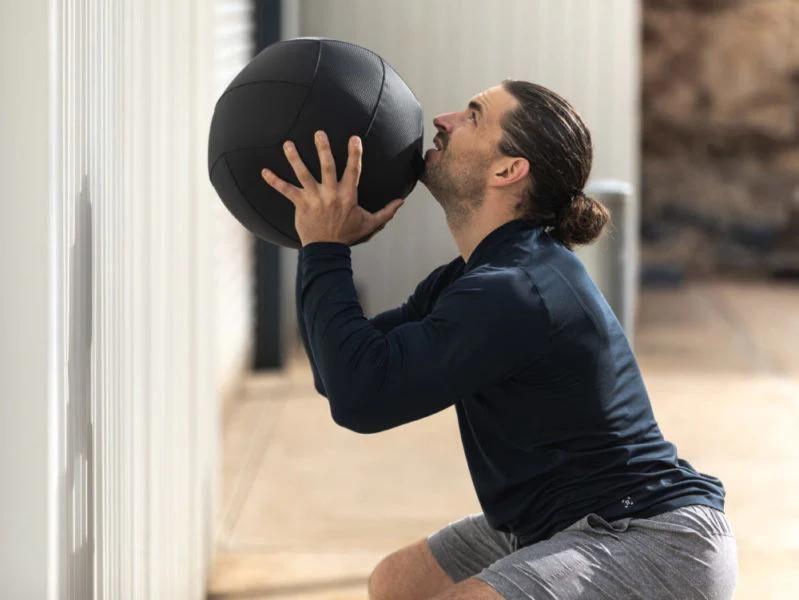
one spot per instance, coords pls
(721, 135)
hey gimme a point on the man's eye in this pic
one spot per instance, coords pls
(474, 116)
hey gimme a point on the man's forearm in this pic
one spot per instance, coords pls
(317, 378)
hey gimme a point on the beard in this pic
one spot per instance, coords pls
(457, 182)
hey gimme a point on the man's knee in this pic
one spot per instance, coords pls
(411, 572)
(381, 579)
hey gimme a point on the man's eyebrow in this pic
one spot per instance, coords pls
(476, 106)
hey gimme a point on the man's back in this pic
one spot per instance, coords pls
(573, 432)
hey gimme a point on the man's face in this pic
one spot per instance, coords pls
(457, 169)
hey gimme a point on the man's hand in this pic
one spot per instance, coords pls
(329, 212)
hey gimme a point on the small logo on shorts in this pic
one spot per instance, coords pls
(627, 502)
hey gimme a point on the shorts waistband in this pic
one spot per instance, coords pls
(704, 518)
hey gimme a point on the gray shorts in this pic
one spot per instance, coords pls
(682, 554)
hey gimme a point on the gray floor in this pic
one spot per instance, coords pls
(308, 508)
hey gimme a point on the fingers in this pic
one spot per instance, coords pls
(352, 173)
(300, 170)
(285, 188)
(327, 164)
(326, 161)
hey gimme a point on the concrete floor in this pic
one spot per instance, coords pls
(308, 508)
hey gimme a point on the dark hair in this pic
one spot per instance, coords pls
(547, 131)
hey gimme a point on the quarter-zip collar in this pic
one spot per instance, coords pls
(490, 244)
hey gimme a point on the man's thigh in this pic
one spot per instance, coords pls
(467, 546)
(688, 553)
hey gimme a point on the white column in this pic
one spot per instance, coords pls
(26, 318)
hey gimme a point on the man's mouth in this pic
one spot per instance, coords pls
(438, 143)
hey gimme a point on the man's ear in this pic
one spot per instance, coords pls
(510, 170)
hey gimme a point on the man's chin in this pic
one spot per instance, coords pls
(424, 179)
(428, 171)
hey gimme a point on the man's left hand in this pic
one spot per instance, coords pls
(329, 211)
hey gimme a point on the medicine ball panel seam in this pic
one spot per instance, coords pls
(379, 96)
(388, 65)
(310, 88)
(343, 43)
(252, 206)
(282, 54)
(218, 142)
(242, 210)
(258, 194)
(240, 148)
(259, 82)
(360, 60)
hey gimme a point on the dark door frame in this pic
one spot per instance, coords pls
(268, 347)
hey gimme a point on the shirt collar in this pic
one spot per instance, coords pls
(490, 243)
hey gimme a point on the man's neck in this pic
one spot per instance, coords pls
(470, 232)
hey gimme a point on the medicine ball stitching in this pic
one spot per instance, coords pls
(293, 124)
(377, 104)
(310, 89)
(291, 127)
(299, 111)
(247, 200)
(261, 146)
(260, 81)
(309, 86)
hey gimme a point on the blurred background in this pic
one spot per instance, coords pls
(160, 433)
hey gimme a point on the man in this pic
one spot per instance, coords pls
(581, 495)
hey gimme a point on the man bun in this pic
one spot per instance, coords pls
(581, 221)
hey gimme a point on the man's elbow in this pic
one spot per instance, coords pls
(320, 388)
(356, 421)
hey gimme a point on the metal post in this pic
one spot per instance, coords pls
(615, 252)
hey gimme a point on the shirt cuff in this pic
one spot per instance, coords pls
(325, 249)
(318, 259)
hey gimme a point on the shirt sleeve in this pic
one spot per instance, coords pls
(317, 377)
(481, 330)
(416, 306)
(413, 309)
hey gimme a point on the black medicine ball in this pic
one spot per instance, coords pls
(287, 92)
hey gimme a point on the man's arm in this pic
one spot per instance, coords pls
(413, 309)
(317, 378)
(417, 306)
(480, 332)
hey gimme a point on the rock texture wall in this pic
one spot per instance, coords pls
(721, 135)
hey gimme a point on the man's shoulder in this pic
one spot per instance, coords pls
(502, 301)
(440, 277)
(501, 278)
(505, 288)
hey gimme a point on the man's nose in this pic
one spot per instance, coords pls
(445, 122)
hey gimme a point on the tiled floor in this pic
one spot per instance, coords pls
(308, 508)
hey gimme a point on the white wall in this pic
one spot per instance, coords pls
(125, 294)
(449, 50)
(26, 522)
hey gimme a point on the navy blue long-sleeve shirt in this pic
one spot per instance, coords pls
(553, 413)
